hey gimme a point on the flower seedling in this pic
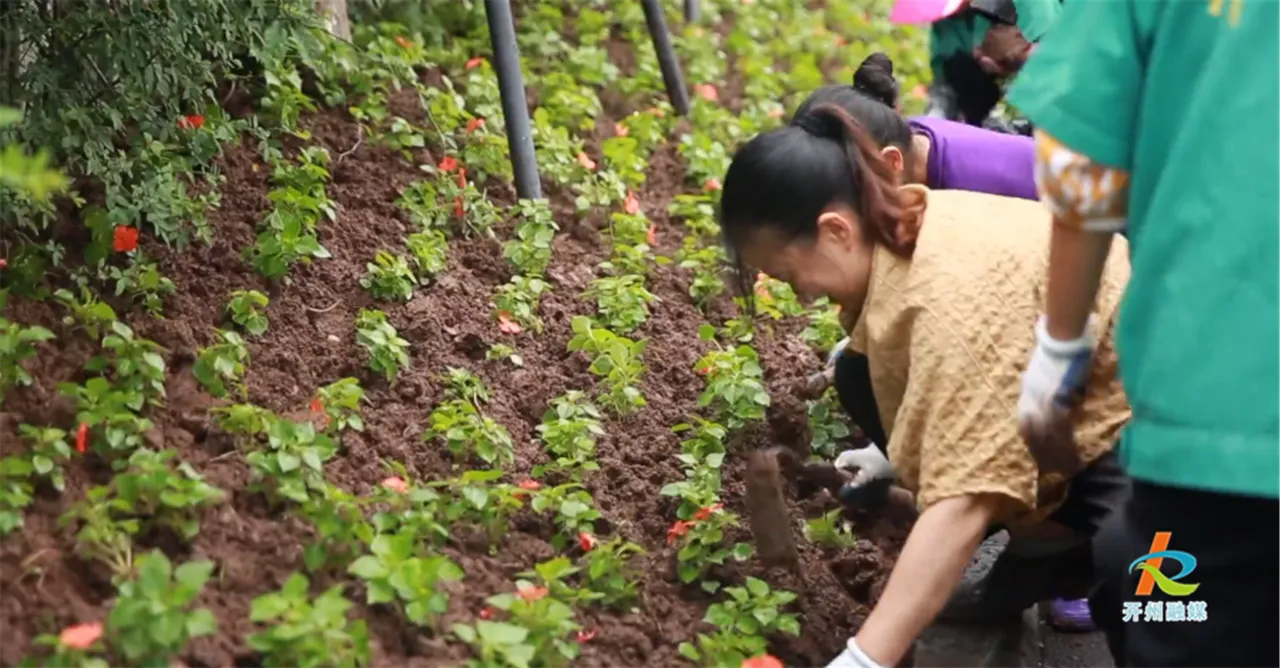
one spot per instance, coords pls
(114, 428)
(614, 358)
(466, 431)
(246, 310)
(136, 364)
(90, 314)
(622, 302)
(530, 250)
(827, 427)
(518, 300)
(704, 437)
(102, 537)
(395, 570)
(302, 633)
(701, 486)
(340, 401)
(824, 330)
(708, 265)
(48, 449)
(15, 492)
(74, 646)
(17, 344)
(153, 619)
(829, 530)
(502, 351)
(497, 644)
(701, 541)
(754, 610)
(549, 621)
(389, 278)
(430, 251)
(292, 463)
(141, 281)
(477, 497)
(244, 420)
(569, 431)
(388, 353)
(552, 575)
(160, 493)
(462, 384)
(341, 529)
(735, 383)
(220, 367)
(609, 574)
(574, 508)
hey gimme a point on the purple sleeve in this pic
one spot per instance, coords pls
(964, 157)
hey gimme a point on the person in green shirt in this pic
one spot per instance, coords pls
(1159, 118)
(973, 45)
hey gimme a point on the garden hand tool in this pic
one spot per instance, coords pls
(767, 471)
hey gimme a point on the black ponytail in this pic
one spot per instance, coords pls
(870, 101)
(785, 178)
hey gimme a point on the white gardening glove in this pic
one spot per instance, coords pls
(874, 475)
(1052, 385)
(853, 657)
(836, 351)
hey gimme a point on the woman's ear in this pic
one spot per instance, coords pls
(914, 199)
(893, 156)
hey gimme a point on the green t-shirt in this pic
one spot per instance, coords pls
(966, 30)
(1187, 102)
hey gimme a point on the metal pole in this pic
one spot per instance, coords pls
(671, 74)
(515, 109)
(692, 11)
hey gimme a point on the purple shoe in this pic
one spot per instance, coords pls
(1070, 615)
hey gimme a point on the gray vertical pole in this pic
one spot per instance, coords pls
(671, 74)
(692, 11)
(515, 109)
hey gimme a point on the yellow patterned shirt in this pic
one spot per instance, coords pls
(947, 333)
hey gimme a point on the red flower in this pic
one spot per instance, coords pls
(458, 210)
(704, 513)
(586, 161)
(82, 438)
(404, 43)
(680, 528)
(395, 484)
(475, 62)
(462, 177)
(486, 613)
(506, 325)
(631, 204)
(191, 122)
(620, 130)
(712, 185)
(475, 124)
(762, 661)
(448, 164)
(3, 263)
(651, 236)
(707, 92)
(531, 593)
(586, 541)
(586, 636)
(530, 485)
(316, 405)
(702, 371)
(80, 636)
(124, 239)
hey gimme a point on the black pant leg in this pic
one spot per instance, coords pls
(1235, 544)
(853, 386)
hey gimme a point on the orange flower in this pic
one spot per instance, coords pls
(530, 485)
(762, 661)
(712, 185)
(702, 371)
(124, 239)
(82, 438)
(919, 92)
(704, 513)
(620, 130)
(531, 593)
(191, 122)
(657, 111)
(586, 636)
(395, 484)
(316, 406)
(506, 325)
(631, 204)
(651, 237)
(586, 541)
(448, 164)
(475, 124)
(404, 43)
(458, 210)
(586, 161)
(680, 528)
(486, 613)
(475, 62)
(707, 92)
(80, 636)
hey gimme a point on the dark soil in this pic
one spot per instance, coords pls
(311, 343)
